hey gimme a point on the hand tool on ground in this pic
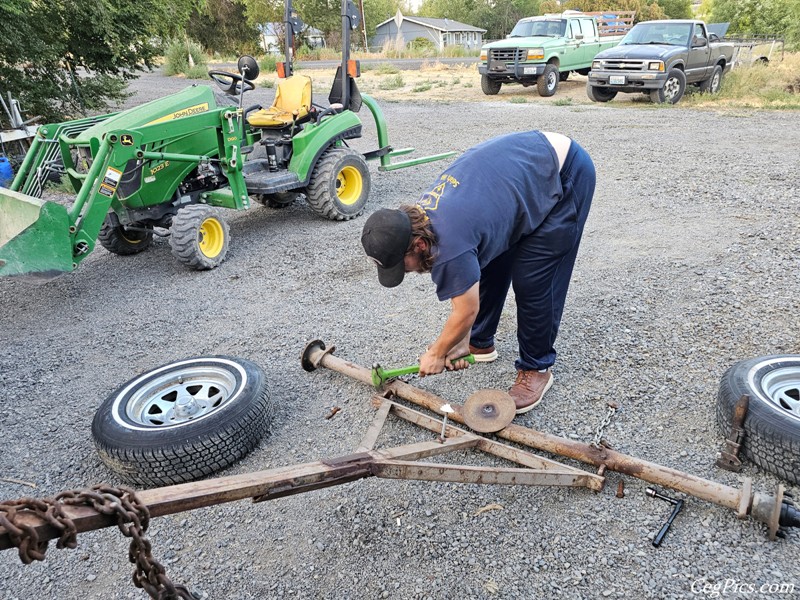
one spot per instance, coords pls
(381, 375)
(664, 528)
(488, 411)
(447, 410)
(729, 457)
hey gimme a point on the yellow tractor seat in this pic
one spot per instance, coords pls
(292, 104)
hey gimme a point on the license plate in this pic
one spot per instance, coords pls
(529, 70)
(616, 79)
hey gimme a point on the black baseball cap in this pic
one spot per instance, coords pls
(386, 237)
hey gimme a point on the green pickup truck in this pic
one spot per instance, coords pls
(544, 50)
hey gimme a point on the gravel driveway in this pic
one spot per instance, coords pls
(689, 263)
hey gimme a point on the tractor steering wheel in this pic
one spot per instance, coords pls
(231, 82)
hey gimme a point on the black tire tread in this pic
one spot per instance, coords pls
(489, 86)
(183, 237)
(318, 193)
(765, 446)
(113, 240)
(541, 82)
(196, 458)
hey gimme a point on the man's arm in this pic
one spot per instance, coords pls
(464, 310)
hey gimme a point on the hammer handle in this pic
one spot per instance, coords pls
(391, 373)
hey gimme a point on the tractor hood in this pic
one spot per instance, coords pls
(641, 52)
(193, 100)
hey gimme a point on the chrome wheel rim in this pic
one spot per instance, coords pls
(779, 389)
(715, 84)
(671, 88)
(181, 396)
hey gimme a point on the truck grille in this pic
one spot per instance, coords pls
(623, 65)
(508, 54)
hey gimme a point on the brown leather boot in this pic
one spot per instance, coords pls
(529, 388)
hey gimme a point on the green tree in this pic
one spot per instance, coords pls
(60, 62)
(676, 9)
(221, 26)
(497, 17)
(770, 17)
(645, 11)
(377, 11)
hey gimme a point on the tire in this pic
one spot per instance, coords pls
(547, 82)
(199, 237)
(120, 240)
(583, 72)
(489, 86)
(142, 450)
(563, 76)
(278, 199)
(772, 423)
(598, 94)
(339, 185)
(713, 83)
(673, 88)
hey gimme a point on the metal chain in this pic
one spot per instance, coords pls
(133, 518)
(598, 434)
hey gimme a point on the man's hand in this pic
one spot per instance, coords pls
(462, 349)
(431, 363)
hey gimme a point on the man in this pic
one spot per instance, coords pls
(508, 211)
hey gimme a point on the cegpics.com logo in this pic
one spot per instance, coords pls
(735, 588)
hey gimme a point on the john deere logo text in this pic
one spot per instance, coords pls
(160, 167)
(184, 112)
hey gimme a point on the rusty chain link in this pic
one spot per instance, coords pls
(132, 516)
(597, 442)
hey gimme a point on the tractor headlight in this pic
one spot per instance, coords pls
(656, 66)
(596, 65)
(535, 54)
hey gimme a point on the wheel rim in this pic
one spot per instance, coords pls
(180, 396)
(715, 84)
(780, 389)
(349, 185)
(671, 88)
(211, 237)
(551, 80)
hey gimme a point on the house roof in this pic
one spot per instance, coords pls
(440, 24)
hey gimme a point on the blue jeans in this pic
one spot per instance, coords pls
(539, 266)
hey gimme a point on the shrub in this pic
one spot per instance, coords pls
(268, 64)
(176, 59)
(423, 87)
(391, 83)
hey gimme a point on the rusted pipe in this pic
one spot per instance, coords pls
(317, 354)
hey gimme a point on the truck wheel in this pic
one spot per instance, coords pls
(123, 241)
(547, 83)
(772, 423)
(673, 89)
(183, 421)
(339, 185)
(490, 87)
(598, 94)
(584, 72)
(563, 76)
(713, 83)
(278, 199)
(199, 237)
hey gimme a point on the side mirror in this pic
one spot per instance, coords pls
(699, 42)
(248, 67)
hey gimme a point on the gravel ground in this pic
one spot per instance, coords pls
(689, 263)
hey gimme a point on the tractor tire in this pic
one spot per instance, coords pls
(489, 86)
(278, 199)
(547, 82)
(199, 237)
(673, 88)
(598, 94)
(183, 421)
(772, 423)
(119, 240)
(713, 83)
(339, 185)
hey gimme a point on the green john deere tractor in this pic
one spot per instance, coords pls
(169, 164)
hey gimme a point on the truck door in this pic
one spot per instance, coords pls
(573, 58)
(699, 55)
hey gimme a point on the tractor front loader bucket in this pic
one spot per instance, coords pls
(34, 237)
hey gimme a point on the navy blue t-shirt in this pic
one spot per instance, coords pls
(490, 197)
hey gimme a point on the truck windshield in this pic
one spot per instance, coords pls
(670, 34)
(541, 27)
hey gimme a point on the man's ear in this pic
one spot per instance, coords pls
(420, 244)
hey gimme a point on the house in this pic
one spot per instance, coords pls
(272, 37)
(441, 32)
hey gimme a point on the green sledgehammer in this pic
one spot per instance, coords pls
(381, 375)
